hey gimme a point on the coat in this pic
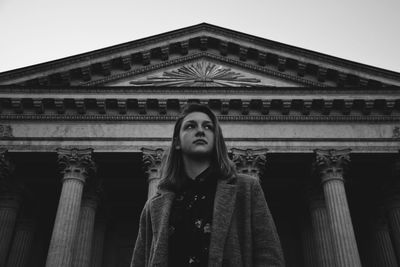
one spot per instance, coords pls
(243, 231)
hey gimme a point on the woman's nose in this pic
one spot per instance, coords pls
(200, 131)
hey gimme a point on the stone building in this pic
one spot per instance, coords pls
(82, 139)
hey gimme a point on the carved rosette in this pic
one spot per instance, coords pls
(249, 161)
(331, 164)
(76, 163)
(203, 74)
(153, 161)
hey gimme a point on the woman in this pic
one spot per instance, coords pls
(204, 213)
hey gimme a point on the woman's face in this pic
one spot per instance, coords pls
(196, 136)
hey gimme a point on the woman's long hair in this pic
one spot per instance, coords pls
(172, 178)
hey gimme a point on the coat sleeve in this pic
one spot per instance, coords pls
(141, 251)
(267, 249)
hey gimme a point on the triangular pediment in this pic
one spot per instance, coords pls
(154, 58)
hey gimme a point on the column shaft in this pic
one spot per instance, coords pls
(383, 249)
(343, 237)
(62, 240)
(84, 237)
(308, 245)
(22, 244)
(394, 221)
(9, 206)
(98, 244)
(322, 234)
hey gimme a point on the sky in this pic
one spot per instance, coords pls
(37, 31)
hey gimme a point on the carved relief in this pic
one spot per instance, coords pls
(331, 163)
(152, 161)
(76, 163)
(6, 169)
(249, 161)
(5, 131)
(202, 73)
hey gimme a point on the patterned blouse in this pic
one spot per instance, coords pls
(190, 220)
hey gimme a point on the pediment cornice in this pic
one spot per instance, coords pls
(254, 53)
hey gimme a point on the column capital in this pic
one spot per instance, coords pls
(331, 164)
(152, 160)
(6, 166)
(249, 161)
(76, 163)
(8, 183)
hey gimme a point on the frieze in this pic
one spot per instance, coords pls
(161, 117)
(306, 147)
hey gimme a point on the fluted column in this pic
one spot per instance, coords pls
(308, 244)
(249, 161)
(76, 166)
(153, 160)
(84, 237)
(393, 207)
(9, 206)
(394, 222)
(330, 165)
(384, 255)
(22, 243)
(10, 200)
(321, 229)
(98, 242)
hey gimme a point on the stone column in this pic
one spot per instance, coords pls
(9, 206)
(22, 243)
(249, 161)
(98, 242)
(384, 255)
(84, 237)
(308, 244)
(10, 200)
(153, 161)
(393, 207)
(330, 164)
(321, 229)
(76, 166)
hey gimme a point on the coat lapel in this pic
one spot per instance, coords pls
(224, 204)
(159, 211)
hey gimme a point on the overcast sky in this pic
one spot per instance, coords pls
(37, 31)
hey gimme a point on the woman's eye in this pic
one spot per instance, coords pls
(208, 127)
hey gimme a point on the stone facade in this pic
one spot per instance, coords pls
(83, 141)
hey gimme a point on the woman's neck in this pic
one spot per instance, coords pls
(193, 167)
